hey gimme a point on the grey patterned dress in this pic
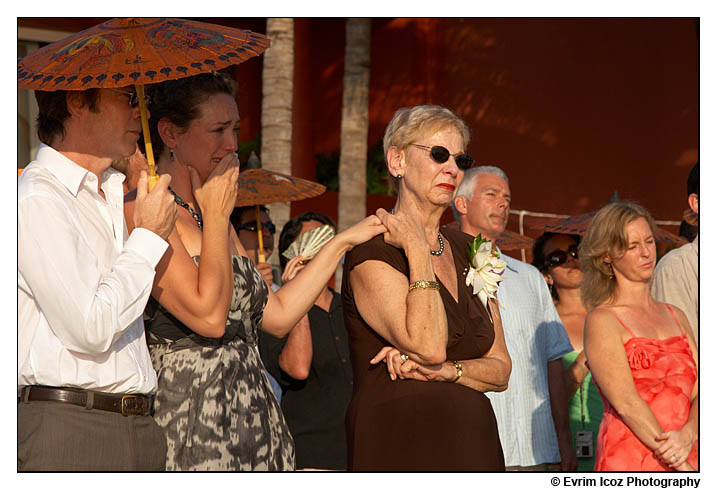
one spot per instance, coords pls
(214, 400)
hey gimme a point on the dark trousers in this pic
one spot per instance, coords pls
(54, 436)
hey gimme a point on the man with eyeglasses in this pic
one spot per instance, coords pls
(532, 414)
(85, 378)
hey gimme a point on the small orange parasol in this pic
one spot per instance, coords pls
(507, 241)
(137, 51)
(578, 224)
(511, 241)
(261, 186)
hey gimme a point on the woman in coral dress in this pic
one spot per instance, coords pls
(642, 353)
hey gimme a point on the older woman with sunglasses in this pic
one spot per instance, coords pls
(642, 352)
(214, 401)
(406, 303)
(556, 256)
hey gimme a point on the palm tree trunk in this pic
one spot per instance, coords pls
(277, 93)
(354, 126)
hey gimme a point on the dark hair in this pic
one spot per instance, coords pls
(693, 181)
(539, 258)
(293, 227)
(687, 231)
(53, 112)
(179, 100)
(236, 217)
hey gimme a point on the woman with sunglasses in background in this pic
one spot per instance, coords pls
(244, 221)
(214, 400)
(556, 256)
(642, 352)
(406, 303)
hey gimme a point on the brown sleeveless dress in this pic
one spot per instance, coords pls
(408, 425)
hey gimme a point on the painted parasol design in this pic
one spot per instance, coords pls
(136, 51)
(261, 186)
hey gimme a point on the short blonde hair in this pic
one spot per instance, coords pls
(606, 237)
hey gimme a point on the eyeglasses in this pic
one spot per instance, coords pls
(559, 257)
(252, 227)
(134, 100)
(440, 155)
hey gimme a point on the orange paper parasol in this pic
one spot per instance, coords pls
(260, 186)
(507, 241)
(578, 224)
(137, 51)
(511, 241)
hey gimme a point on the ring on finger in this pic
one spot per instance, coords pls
(404, 358)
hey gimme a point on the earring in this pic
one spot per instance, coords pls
(398, 176)
(172, 155)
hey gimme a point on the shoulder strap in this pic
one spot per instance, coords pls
(618, 318)
(675, 318)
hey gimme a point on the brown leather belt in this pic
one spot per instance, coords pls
(125, 404)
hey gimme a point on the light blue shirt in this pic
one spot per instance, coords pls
(534, 336)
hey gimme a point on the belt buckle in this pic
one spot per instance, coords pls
(128, 408)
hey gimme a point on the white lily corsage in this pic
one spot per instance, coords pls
(486, 269)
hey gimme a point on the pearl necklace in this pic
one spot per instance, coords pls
(441, 242)
(441, 247)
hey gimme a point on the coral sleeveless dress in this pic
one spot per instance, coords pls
(664, 373)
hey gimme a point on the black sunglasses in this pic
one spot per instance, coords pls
(252, 227)
(440, 155)
(559, 257)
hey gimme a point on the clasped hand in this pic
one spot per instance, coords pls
(674, 450)
(410, 369)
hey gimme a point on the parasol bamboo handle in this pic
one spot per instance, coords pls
(152, 178)
(260, 252)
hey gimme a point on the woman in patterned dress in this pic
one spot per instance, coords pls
(214, 400)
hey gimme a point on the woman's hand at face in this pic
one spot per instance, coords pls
(218, 194)
(401, 230)
(293, 266)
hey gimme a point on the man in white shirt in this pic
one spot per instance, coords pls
(532, 414)
(85, 379)
(675, 280)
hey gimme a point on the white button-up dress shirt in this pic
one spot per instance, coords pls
(534, 336)
(82, 282)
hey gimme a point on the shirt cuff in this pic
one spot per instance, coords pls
(147, 244)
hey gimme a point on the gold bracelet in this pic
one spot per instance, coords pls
(459, 371)
(424, 285)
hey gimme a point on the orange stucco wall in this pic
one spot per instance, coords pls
(572, 109)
